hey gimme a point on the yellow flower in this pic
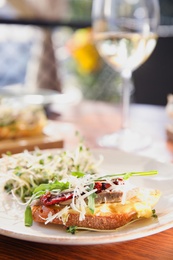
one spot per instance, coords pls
(84, 51)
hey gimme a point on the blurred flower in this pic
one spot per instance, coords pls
(84, 52)
(95, 79)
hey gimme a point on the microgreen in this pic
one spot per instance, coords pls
(154, 215)
(8, 153)
(41, 162)
(72, 229)
(78, 174)
(91, 199)
(127, 175)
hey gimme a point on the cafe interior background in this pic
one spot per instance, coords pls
(48, 45)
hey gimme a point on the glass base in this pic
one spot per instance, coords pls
(126, 140)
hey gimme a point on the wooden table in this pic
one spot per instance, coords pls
(92, 120)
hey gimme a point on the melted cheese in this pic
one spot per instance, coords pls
(142, 204)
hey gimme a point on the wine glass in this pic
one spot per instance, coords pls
(125, 34)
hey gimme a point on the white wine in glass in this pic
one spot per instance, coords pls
(125, 34)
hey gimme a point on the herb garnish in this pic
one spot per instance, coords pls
(72, 229)
(154, 215)
(28, 216)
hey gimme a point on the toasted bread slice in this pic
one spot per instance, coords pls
(107, 222)
(107, 216)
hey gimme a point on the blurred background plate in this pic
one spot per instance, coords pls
(42, 141)
(28, 95)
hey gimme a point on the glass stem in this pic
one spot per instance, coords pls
(126, 95)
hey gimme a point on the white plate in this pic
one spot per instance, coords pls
(12, 222)
(27, 95)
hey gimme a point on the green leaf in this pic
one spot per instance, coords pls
(78, 174)
(28, 217)
(51, 186)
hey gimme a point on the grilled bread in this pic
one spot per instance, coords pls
(137, 203)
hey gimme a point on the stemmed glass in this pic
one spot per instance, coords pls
(125, 34)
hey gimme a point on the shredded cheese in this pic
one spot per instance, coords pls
(62, 214)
